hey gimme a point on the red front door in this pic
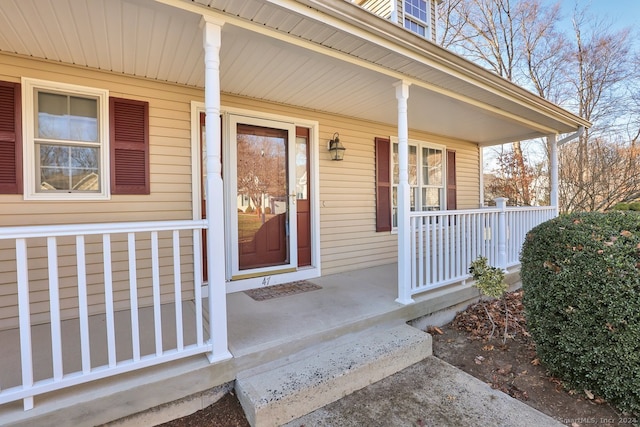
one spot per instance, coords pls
(266, 166)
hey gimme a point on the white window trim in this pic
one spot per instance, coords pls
(419, 145)
(427, 23)
(28, 147)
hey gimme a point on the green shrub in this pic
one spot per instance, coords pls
(490, 282)
(635, 206)
(621, 207)
(489, 279)
(249, 210)
(581, 281)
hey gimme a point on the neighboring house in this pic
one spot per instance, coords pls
(116, 197)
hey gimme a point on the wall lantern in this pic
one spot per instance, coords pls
(336, 148)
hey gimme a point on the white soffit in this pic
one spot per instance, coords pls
(292, 75)
(468, 83)
(133, 37)
(267, 53)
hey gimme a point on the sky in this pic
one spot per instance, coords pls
(621, 13)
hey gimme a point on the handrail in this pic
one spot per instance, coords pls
(143, 249)
(480, 211)
(444, 243)
(35, 231)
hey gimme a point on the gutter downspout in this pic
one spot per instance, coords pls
(566, 139)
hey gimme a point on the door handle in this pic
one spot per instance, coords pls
(292, 197)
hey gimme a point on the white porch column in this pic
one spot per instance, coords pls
(404, 233)
(212, 31)
(501, 262)
(553, 169)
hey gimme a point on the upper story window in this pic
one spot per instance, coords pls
(416, 16)
(66, 140)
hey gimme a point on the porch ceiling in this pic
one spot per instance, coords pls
(326, 55)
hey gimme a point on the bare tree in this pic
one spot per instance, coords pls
(518, 40)
(598, 68)
(508, 179)
(485, 31)
(589, 71)
(613, 175)
(545, 51)
(453, 23)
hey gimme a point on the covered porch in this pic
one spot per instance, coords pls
(107, 302)
(260, 332)
(64, 346)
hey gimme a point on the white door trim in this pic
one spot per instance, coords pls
(301, 273)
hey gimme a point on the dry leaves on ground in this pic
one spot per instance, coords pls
(512, 365)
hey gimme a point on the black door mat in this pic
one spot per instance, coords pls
(277, 291)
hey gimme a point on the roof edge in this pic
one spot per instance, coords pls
(392, 32)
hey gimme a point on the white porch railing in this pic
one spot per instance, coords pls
(444, 243)
(150, 259)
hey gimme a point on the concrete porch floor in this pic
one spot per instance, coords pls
(262, 335)
(347, 302)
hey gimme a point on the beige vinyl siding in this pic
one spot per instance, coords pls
(381, 8)
(170, 150)
(468, 175)
(434, 9)
(170, 199)
(348, 238)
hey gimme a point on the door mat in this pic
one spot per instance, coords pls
(277, 291)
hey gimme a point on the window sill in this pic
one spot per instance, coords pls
(61, 197)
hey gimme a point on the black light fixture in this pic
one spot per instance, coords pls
(336, 148)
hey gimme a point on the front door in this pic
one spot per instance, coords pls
(262, 197)
(266, 171)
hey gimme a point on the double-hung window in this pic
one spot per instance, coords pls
(416, 16)
(66, 141)
(426, 178)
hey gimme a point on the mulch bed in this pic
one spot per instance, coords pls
(226, 412)
(509, 363)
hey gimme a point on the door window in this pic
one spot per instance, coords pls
(262, 196)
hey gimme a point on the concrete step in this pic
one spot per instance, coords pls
(277, 396)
